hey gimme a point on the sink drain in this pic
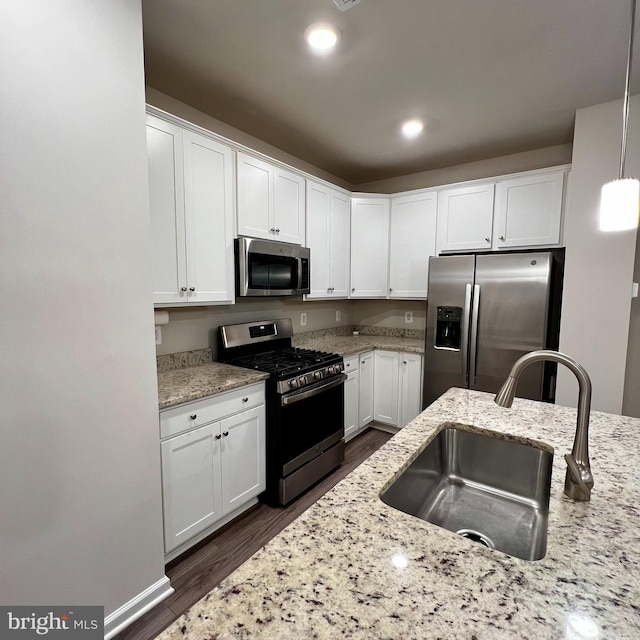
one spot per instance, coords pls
(470, 534)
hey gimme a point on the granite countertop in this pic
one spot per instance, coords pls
(348, 345)
(193, 383)
(331, 574)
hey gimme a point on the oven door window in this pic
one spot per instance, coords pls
(272, 272)
(306, 423)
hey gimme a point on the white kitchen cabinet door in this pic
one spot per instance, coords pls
(243, 458)
(465, 218)
(339, 244)
(191, 486)
(166, 204)
(528, 211)
(386, 387)
(208, 191)
(328, 239)
(271, 201)
(289, 207)
(255, 200)
(365, 389)
(351, 393)
(369, 247)
(318, 234)
(412, 242)
(410, 386)
(191, 207)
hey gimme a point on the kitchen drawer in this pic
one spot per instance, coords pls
(351, 363)
(195, 414)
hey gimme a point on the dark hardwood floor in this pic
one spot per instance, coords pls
(206, 565)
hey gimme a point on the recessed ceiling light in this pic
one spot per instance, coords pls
(322, 37)
(412, 128)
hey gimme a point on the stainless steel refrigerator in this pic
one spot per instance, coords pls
(483, 313)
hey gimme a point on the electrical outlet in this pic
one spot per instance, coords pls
(303, 319)
(408, 317)
(338, 316)
(158, 335)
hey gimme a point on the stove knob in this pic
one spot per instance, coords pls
(331, 370)
(294, 383)
(303, 380)
(317, 375)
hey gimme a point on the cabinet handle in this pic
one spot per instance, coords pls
(218, 436)
(277, 230)
(193, 416)
(352, 290)
(404, 362)
(348, 364)
(488, 239)
(225, 433)
(245, 399)
(273, 230)
(362, 362)
(192, 289)
(390, 289)
(502, 238)
(183, 288)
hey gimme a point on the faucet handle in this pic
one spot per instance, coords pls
(575, 486)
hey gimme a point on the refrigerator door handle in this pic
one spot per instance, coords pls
(464, 338)
(474, 335)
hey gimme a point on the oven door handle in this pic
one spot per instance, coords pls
(290, 398)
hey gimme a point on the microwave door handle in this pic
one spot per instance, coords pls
(299, 284)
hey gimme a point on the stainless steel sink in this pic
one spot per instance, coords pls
(483, 486)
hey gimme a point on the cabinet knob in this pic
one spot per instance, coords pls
(488, 239)
(193, 416)
(183, 288)
(352, 290)
(225, 433)
(404, 362)
(192, 289)
(502, 238)
(277, 230)
(245, 399)
(362, 362)
(218, 436)
(273, 229)
(390, 289)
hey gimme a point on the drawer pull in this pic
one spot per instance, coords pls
(245, 399)
(225, 433)
(193, 416)
(218, 436)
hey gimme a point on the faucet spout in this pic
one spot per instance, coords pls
(579, 479)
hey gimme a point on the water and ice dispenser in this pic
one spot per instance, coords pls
(448, 328)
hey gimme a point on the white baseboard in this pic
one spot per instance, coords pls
(136, 607)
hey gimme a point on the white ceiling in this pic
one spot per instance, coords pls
(490, 77)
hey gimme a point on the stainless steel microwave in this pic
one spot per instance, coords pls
(270, 268)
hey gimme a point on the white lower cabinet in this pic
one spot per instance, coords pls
(397, 387)
(365, 390)
(213, 470)
(351, 393)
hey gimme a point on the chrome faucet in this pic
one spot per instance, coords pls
(579, 480)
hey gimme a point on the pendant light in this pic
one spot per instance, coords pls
(620, 199)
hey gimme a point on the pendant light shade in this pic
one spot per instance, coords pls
(620, 205)
(620, 199)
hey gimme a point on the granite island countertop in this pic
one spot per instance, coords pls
(187, 384)
(352, 566)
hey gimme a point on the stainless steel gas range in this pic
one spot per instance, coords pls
(305, 403)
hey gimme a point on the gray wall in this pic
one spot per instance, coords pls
(79, 461)
(596, 302)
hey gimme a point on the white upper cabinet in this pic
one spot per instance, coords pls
(465, 218)
(528, 211)
(328, 239)
(271, 201)
(369, 247)
(191, 206)
(412, 242)
(523, 211)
